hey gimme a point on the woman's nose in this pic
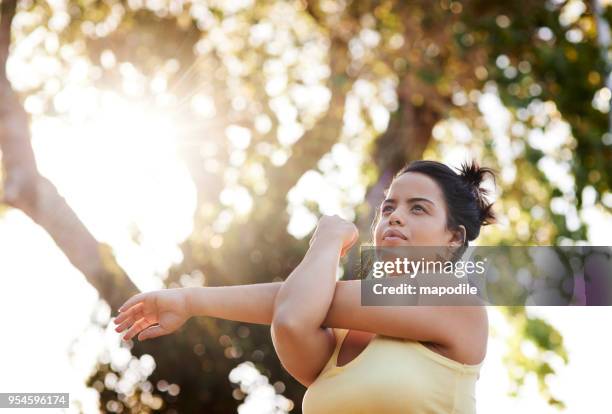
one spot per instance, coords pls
(395, 218)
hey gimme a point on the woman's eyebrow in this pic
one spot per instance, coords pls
(410, 200)
(415, 199)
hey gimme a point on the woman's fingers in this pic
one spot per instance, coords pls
(131, 312)
(132, 301)
(141, 324)
(152, 332)
(124, 325)
(127, 323)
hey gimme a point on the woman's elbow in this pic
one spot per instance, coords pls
(292, 326)
(284, 324)
(288, 319)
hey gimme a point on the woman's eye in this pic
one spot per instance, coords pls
(387, 208)
(419, 207)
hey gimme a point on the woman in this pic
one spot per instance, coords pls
(353, 358)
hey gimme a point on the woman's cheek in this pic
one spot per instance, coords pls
(429, 230)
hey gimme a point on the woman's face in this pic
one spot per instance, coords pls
(414, 214)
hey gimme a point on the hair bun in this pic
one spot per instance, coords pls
(473, 175)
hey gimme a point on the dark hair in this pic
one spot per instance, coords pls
(466, 201)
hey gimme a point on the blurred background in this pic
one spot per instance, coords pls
(152, 143)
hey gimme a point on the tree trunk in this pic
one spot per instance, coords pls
(25, 189)
(405, 140)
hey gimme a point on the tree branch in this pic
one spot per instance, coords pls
(17, 155)
(319, 140)
(7, 13)
(26, 190)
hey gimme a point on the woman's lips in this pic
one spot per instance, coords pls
(393, 238)
(393, 234)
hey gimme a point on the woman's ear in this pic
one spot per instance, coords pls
(459, 236)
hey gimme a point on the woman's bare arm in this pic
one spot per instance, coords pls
(161, 312)
(254, 303)
(446, 325)
(302, 343)
(243, 303)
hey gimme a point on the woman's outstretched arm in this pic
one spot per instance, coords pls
(161, 312)
(243, 303)
(254, 303)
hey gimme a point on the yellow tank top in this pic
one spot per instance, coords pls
(393, 375)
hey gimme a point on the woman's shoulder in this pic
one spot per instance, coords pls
(469, 344)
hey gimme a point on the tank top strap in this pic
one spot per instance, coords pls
(340, 334)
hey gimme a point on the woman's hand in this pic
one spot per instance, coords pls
(153, 314)
(336, 228)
